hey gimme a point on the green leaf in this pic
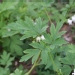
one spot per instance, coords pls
(55, 31)
(6, 60)
(17, 72)
(14, 28)
(71, 2)
(29, 23)
(38, 24)
(33, 29)
(52, 30)
(7, 33)
(13, 44)
(66, 70)
(35, 57)
(57, 64)
(6, 42)
(59, 42)
(18, 50)
(44, 57)
(28, 34)
(71, 48)
(7, 6)
(69, 59)
(34, 53)
(59, 25)
(4, 71)
(40, 46)
(26, 57)
(48, 38)
(59, 34)
(49, 63)
(35, 45)
(18, 25)
(24, 37)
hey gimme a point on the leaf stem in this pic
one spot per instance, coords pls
(28, 73)
(48, 15)
(49, 52)
(53, 63)
(34, 65)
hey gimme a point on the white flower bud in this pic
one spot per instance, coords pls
(9, 30)
(38, 39)
(69, 22)
(34, 23)
(42, 37)
(73, 18)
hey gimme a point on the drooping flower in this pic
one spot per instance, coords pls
(38, 39)
(69, 21)
(73, 18)
(42, 37)
(74, 72)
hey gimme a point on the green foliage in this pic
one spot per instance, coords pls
(66, 70)
(5, 59)
(13, 44)
(4, 71)
(17, 72)
(32, 29)
(21, 23)
(7, 6)
(44, 48)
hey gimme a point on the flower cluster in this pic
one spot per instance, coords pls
(39, 38)
(74, 72)
(72, 20)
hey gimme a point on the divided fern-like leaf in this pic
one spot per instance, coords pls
(5, 59)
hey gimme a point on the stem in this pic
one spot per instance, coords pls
(49, 52)
(48, 15)
(53, 63)
(34, 65)
(52, 60)
(28, 73)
